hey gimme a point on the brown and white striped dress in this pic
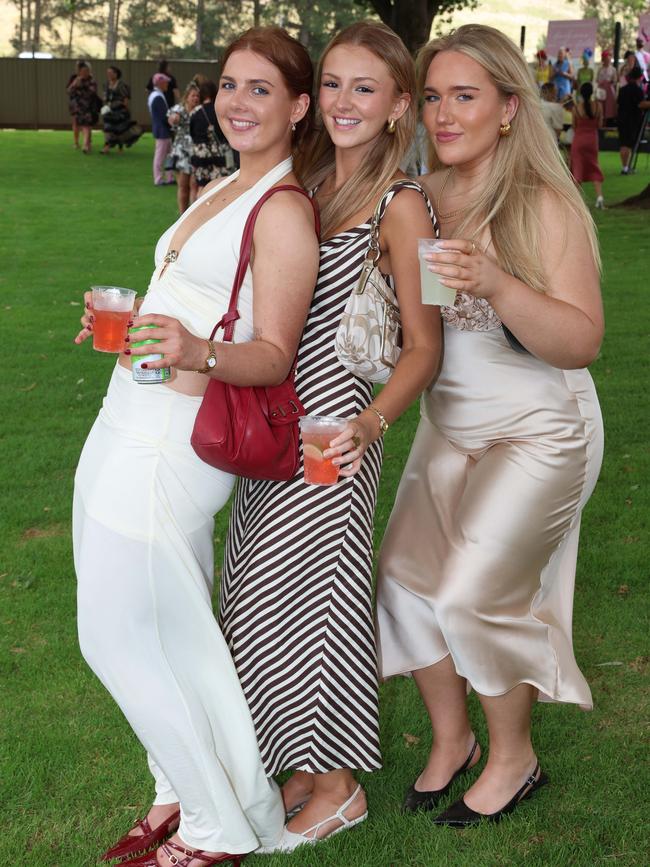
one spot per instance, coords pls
(296, 591)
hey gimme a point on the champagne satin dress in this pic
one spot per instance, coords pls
(479, 556)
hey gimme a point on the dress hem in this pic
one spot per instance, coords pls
(544, 695)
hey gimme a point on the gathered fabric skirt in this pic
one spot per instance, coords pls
(479, 556)
(143, 548)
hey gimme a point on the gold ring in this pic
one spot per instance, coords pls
(357, 441)
(473, 249)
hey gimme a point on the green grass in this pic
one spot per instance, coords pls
(72, 775)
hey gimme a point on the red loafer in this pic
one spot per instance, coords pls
(129, 844)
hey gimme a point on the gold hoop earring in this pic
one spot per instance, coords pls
(504, 129)
(391, 126)
(293, 127)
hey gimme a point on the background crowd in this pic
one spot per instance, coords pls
(577, 102)
(190, 148)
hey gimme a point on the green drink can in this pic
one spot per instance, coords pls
(149, 374)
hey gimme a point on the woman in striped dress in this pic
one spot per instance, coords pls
(296, 605)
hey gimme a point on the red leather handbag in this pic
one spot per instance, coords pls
(248, 430)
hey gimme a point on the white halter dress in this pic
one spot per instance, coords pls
(143, 548)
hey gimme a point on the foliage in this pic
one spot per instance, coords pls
(198, 28)
(148, 29)
(608, 12)
(412, 19)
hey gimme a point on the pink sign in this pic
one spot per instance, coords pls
(644, 28)
(575, 35)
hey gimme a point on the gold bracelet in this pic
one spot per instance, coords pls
(383, 424)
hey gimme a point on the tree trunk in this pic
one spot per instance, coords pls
(257, 12)
(36, 42)
(110, 30)
(200, 22)
(21, 27)
(27, 45)
(70, 31)
(410, 19)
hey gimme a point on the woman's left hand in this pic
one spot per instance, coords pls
(463, 266)
(348, 448)
(179, 348)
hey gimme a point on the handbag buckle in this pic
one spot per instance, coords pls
(294, 409)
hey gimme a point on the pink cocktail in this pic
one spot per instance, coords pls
(317, 432)
(112, 308)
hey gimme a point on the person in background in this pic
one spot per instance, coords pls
(172, 94)
(160, 130)
(179, 119)
(629, 63)
(606, 82)
(552, 110)
(119, 128)
(586, 72)
(643, 60)
(542, 68)
(84, 104)
(631, 108)
(211, 152)
(562, 75)
(587, 119)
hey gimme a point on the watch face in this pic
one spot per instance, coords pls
(212, 361)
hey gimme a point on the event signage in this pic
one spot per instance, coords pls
(574, 35)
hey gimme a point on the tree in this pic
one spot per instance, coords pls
(148, 28)
(608, 12)
(314, 23)
(413, 19)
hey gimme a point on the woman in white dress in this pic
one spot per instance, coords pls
(144, 502)
(478, 562)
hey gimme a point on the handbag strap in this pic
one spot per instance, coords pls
(374, 251)
(227, 321)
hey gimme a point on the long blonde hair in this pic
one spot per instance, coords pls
(526, 162)
(385, 156)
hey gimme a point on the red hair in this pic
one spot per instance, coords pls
(289, 57)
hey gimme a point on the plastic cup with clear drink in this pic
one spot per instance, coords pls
(112, 307)
(433, 292)
(317, 431)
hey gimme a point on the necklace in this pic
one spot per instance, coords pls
(451, 214)
(225, 199)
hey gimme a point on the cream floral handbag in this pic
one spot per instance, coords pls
(369, 339)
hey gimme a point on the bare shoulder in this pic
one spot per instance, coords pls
(406, 205)
(288, 208)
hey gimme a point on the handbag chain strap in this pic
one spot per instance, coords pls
(374, 250)
(373, 253)
(227, 321)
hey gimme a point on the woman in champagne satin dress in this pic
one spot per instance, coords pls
(478, 562)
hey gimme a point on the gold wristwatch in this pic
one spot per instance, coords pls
(211, 359)
(383, 424)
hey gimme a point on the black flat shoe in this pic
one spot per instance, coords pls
(415, 800)
(459, 815)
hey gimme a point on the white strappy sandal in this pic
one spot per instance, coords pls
(290, 840)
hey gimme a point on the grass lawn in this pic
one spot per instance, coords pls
(72, 775)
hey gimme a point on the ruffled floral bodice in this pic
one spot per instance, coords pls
(470, 314)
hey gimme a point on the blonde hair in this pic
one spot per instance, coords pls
(385, 156)
(526, 163)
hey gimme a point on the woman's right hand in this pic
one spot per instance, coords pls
(87, 320)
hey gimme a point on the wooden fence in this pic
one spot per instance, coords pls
(33, 93)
